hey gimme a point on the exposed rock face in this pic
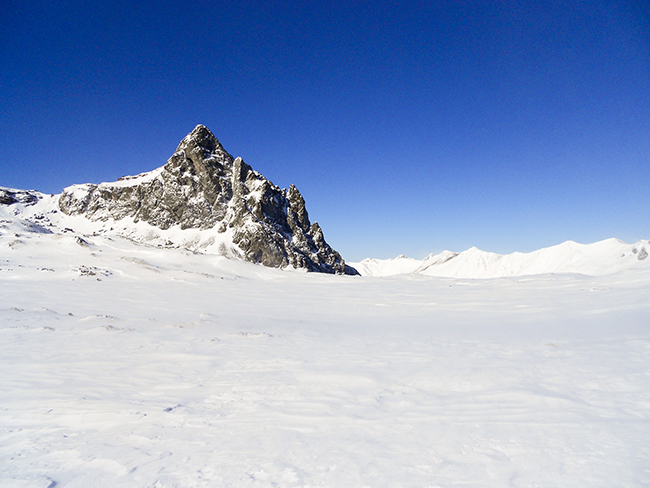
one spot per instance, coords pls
(204, 187)
(9, 197)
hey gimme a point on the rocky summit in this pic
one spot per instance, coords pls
(203, 187)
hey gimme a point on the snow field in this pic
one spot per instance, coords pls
(127, 365)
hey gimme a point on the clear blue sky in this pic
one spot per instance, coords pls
(409, 127)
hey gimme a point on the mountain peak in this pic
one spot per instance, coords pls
(200, 136)
(202, 187)
(201, 145)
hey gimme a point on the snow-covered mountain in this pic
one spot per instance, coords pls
(202, 199)
(601, 258)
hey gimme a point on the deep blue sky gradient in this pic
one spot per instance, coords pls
(409, 127)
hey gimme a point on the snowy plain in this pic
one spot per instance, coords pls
(125, 364)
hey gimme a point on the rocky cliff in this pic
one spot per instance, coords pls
(203, 187)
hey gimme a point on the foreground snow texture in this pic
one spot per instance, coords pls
(127, 365)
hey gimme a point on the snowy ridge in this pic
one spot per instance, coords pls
(600, 258)
(387, 267)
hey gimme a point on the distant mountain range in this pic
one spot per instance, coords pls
(601, 258)
(202, 199)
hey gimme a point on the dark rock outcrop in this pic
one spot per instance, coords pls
(204, 187)
(9, 197)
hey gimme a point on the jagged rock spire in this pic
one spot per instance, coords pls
(202, 147)
(203, 187)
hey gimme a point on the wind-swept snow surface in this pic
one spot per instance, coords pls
(128, 365)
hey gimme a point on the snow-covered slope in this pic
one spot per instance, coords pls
(41, 213)
(601, 258)
(130, 365)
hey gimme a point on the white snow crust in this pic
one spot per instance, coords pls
(131, 365)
